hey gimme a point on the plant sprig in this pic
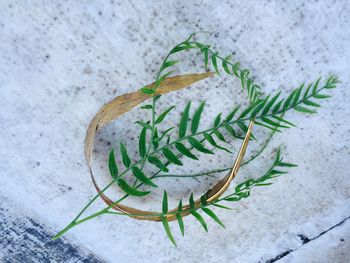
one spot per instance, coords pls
(159, 149)
(265, 112)
(241, 191)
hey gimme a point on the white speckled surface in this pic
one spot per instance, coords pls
(59, 62)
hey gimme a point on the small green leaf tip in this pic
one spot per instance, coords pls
(131, 190)
(167, 230)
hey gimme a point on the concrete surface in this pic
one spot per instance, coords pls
(61, 61)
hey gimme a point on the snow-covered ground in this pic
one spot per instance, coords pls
(60, 61)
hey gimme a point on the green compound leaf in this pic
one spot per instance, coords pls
(157, 162)
(215, 63)
(314, 89)
(206, 56)
(219, 135)
(179, 208)
(167, 229)
(311, 103)
(168, 63)
(155, 139)
(249, 109)
(203, 200)
(303, 109)
(171, 156)
(232, 132)
(130, 190)
(162, 78)
(306, 92)
(200, 219)
(242, 126)
(270, 103)
(211, 140)
(147, 91)
(184, 120)
(198, 146)
(321, 96)
(182, 149)
(231, 114)
(142, 177)
(233, 199)
(192, 204)
(284, 120)
(273, 123)
(142, 143)
(284, 164)
(163, 115)
(180, 47)
(213, 216)
(297, 95)
(196, 118)
(165, 133)
(113, 169)
(145, 125)
(146, 107)
(165, 203)
(217, 120)
(259, 107)
(181, 223)
(235, 69)
(305, 98)
(221, 206)
(225, 67)
(277, 106)
(242, 77)
(125, 157)
(267, 126)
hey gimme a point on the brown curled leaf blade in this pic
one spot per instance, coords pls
(125, 103)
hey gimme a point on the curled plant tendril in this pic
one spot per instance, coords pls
(161, 148)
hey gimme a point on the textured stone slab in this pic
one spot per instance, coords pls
(60, 62)
(26, 238)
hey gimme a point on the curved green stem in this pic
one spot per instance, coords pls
(209, 173)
